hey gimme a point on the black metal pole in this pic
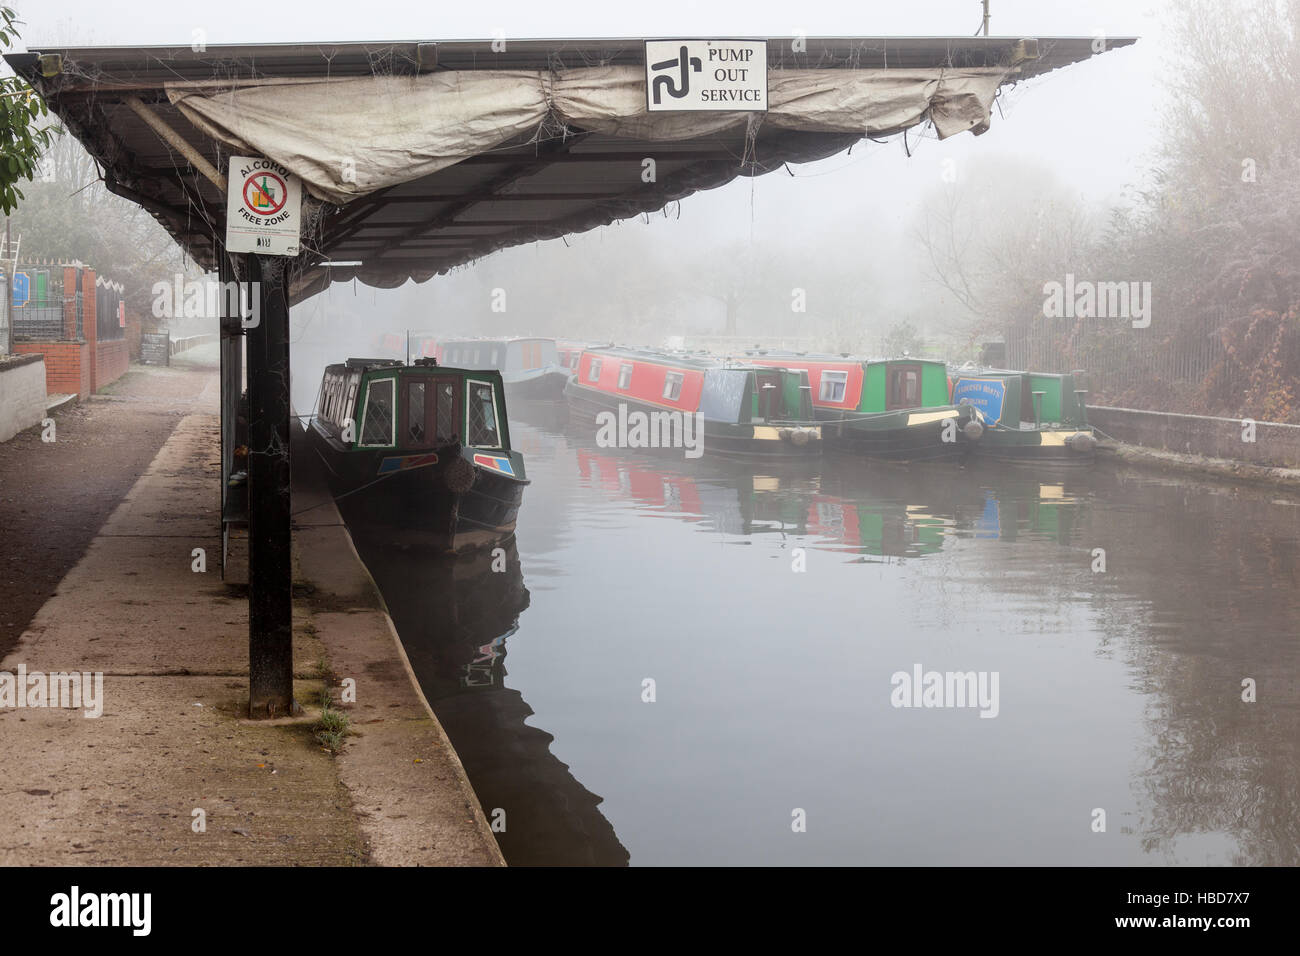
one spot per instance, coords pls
(270, 571)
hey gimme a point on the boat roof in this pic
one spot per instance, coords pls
(397, 365)
(498, 339)
(1008, 371)
(699, 360)
(839, 358)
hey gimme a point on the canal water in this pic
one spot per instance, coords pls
(777, 613)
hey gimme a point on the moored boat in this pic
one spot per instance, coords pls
(884, 408)
(743, 410)
(421, 451)
(569, 353)
(530, 367)
(1030, 416)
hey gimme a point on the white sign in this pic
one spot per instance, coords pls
(718, 75)
(263, 207)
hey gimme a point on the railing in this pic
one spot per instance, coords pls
(110, 310)
(41, 318)
(1166, 368)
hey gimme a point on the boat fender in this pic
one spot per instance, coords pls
(458, 476)
(1082, 442)
(973, 430)
(784, 433)
(800, 436)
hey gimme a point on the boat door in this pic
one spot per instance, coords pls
(768, 386)
(430, 411)
(903, 386)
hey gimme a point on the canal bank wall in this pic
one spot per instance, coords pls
(1238, 449)
(409, 789)
(161, 765)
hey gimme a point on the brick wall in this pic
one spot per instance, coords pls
(111, 361)
(67, 365)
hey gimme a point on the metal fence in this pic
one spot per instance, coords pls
(110, 310)
(1125, 362)
(38, 316)
(44, 311)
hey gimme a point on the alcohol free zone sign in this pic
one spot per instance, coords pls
(706, 75)
(263, 207)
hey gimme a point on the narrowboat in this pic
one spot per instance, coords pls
(530, 367)
(569, 353)
(743, 411)
(420, 452)
(1029, 416)
(898, 409)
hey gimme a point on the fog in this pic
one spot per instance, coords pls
(935, 246)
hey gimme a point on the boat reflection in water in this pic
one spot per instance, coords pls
(889, 513)
(455, 616)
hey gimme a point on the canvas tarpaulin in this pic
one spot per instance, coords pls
(348, 137)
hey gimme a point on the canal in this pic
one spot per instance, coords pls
(681, 662)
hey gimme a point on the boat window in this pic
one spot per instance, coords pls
(416, 433)
(496, 358)
(328, 398)
(625, 375)
(833, 385)
(575, 359)
(482, 426)
(331, 393)
(593, 372)
(377, 423)
(352, 401)
(448, 421)
(673, 385)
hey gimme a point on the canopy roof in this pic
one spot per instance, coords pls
(419, 157)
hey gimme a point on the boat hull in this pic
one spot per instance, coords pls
(437, 505)
(1039, 446)
(547, 386)
(915, 434)
(738, 441)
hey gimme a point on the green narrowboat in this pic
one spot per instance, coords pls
(1029, 416)
(419, 452)
(898, 409)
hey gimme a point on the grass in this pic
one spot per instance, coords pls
(333, 726)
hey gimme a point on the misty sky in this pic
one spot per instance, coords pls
(1092, 125)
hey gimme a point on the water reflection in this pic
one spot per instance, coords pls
(1121, 685)
(455, 616)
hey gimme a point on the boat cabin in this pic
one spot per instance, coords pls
(412, 407)
(1021, 400)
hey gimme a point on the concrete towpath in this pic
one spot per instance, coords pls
(173, 745)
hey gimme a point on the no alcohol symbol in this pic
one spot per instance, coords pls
(265, 193)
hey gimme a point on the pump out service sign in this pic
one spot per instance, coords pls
(718, 75)
(263, 207)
